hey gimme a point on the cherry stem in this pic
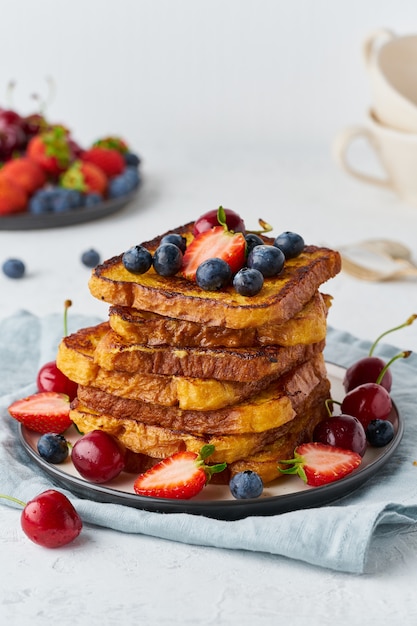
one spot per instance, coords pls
(67, 305)
(401, 355)
(387, 332)
(13, 500)
(266, 228)
(327, 403)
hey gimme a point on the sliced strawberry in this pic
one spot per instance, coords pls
(44, 412)
(180, 476)
(218, 242)
(319, 464)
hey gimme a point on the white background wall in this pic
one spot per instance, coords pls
(171, 73)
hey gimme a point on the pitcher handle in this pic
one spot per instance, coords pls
(370, 44)
(340, 149)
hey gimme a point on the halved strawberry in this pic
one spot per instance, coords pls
(319, 464)
(44, 412)
(218, 242)
(180, 476)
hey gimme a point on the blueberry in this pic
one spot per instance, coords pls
(119, 186)
(14, 268)
(246, 484)
(213, 274)
(132, 176)
(269, 260)
(167, 259)
(137, 260)
(90, 258)
(131, 159)
(124, 183)
(92, 199)
(176, 239)
(65, 199)
(40, 202)
(252, 240)
(290, 243)
(248, 281)
(53, 448)
(379, 433)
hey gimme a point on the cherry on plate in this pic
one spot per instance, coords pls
(98, 457)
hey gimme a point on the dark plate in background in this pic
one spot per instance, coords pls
(28, 221)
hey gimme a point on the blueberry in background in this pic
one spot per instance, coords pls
(90, 258)
(13, 268)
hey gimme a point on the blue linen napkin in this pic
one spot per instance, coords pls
(358, 534)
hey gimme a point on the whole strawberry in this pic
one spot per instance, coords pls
(25, 173)
(44, 412)
(51, 150)
(13, 198)
(85, 177)
(112, 143)
(109, 160)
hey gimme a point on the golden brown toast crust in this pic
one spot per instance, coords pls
(307, 326)
(258, 450)
(270, 408)
(237, 364)
(75, 358)
(279, 300)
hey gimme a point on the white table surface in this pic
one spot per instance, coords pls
(104, 574)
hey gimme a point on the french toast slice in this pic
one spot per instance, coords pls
(236, 364)
(75, 358)
(280, 299)
(268, 409)
(307, 326)
(242, 451)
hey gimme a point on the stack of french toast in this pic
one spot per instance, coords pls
(176, 367)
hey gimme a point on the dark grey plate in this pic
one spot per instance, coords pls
(285, 494)
(28, 221)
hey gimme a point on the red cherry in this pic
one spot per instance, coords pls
(50, 520)
(50, 378)
(233, 221)
(342, 431)
(370, 368)
(98, 457)
(367, 402)
(367, 370)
